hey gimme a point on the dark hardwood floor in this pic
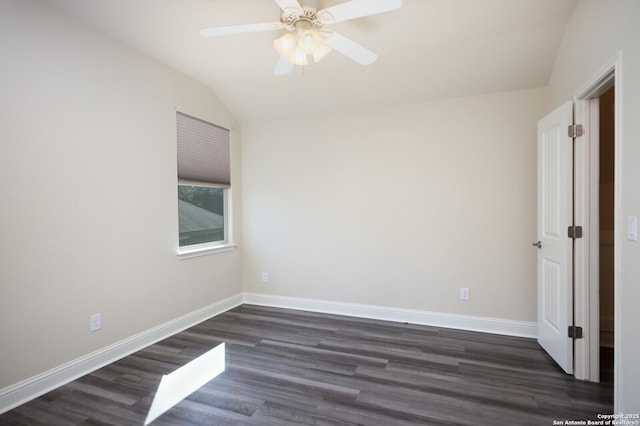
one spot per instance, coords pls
(287, 367)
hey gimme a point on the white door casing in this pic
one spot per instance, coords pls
(555, 215)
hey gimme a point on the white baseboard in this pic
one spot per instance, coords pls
(437, 319)
(26, 390)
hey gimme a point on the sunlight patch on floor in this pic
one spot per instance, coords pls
(176, 386)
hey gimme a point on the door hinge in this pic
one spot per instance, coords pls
(576, 130)
(575, 332)
(575, 232)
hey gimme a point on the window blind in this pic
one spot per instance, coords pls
(203, 151)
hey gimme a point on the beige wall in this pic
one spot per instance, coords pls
(88, 217)
(399, 206)
(596, 31)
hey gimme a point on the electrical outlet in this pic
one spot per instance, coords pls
(95, 322)
(464, 293)
(265, 277)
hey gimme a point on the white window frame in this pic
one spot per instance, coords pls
(194, 250)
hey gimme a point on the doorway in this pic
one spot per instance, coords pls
(580, 353)
(606, 185)
(597, 205)
(595, 254)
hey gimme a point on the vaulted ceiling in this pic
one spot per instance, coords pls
(428, 49)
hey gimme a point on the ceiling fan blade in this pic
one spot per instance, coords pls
(239, 29)
(288, 4)
(351, 49)
(357, 9)
(283, 66)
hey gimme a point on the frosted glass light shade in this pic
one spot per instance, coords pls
(296, 46)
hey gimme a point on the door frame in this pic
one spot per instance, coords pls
(586, 350)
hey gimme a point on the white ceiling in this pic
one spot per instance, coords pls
(428, 49)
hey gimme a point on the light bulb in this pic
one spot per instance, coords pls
(309, 41)
(285, 44)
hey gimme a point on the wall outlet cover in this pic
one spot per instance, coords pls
(464, 293)
(95, 322)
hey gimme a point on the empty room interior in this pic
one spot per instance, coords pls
(359, 234)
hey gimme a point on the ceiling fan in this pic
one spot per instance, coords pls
(307, 33)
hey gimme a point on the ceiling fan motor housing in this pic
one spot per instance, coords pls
(306, 18)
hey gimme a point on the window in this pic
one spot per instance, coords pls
(203, 186)
(200, 215)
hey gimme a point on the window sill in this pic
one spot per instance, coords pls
(186, 253)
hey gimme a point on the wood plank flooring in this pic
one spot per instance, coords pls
(287, 367)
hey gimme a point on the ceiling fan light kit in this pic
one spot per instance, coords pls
(307, 35)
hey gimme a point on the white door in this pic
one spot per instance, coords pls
(555, 202)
